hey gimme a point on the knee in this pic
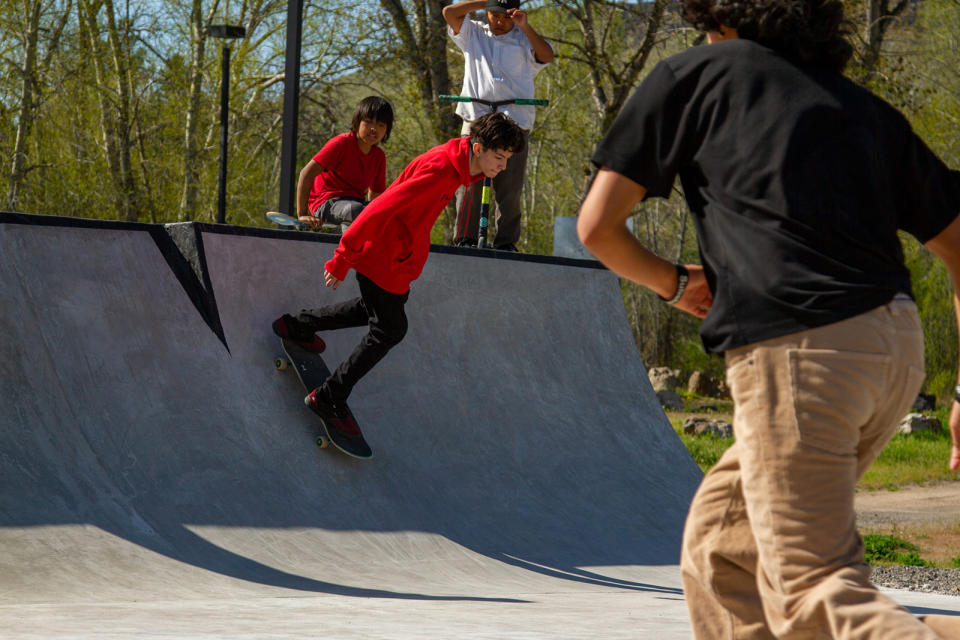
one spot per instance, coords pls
(391, 334)
(354, 208)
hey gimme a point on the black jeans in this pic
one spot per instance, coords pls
(381, 310)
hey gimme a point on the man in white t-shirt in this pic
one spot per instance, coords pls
(502, 57)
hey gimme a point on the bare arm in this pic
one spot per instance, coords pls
(304, 183)
(542, 50)
(603, 230)
(455, 13)
(946, 246)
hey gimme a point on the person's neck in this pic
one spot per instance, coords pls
(474, 164)
(365, 147)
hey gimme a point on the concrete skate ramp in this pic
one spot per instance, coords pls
(149, 452)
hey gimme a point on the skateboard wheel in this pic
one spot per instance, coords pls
(280, 363)
(323, 442)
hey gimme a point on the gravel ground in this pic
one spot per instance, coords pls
(925, 579)
(910, 506)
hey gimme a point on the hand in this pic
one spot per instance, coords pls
(330, 280)
(316, 223)
(955, 434)
(696, 299)
(519, 18)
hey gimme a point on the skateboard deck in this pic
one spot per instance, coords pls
(312, 371)
(284, 220)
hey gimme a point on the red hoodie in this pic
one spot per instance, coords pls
(390, 240)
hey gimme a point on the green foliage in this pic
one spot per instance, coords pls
(705, 449)
(915, 458)
(884, 549)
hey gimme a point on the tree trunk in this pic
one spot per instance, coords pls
(423, 36)
(114, 101)
(122, 119)
(191, 160)
(25, 120)
(879, 19)
(612, 75)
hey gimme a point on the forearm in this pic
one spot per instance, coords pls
(623, 254)
(542, 50)
(304, 185)
(454, 14)
(303, 197)
(946, 246)
(955, 409)
(602, 229)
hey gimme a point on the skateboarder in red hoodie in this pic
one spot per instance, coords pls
(387, 245)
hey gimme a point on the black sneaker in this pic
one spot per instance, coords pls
(286, 326)
(464, 242)
(334, 414)
(507, 247)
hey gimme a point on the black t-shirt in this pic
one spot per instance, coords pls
(797, 180)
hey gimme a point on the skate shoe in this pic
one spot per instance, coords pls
(286, 326)
(333, 414)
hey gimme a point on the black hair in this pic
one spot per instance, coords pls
(373, 108)
(497, 131)
(811, 32)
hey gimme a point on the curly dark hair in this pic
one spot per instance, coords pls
(497, 131)
(809, 31)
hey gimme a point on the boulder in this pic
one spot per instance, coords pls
(702, 384)
(914, 422)
(697, 425)
(664, 378)
(670, 400)
(925, 402)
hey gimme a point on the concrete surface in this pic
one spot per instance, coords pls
(158, 477)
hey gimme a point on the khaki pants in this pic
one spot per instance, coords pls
(770, 547)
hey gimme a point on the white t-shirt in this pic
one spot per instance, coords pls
(496, 68)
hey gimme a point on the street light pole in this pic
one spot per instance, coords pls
(226, 32)
(291, 109)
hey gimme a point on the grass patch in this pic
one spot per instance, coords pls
(916, 458)
(884, 549)
(932, 543)
(705, 449)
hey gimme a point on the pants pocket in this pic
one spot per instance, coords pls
(834, 394)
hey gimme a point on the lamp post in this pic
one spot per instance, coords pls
(291, 109)
(226, 32)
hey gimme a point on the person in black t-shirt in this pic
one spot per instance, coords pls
(798, 181)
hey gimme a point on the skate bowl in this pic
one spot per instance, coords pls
(160, 478)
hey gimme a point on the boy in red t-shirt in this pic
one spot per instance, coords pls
(334, 186)
(387, 245)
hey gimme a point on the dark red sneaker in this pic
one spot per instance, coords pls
(334, 415)
(286, 327)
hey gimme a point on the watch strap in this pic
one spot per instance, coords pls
(683, 277)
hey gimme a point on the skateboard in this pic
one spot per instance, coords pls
(284, 220)
(312, 371)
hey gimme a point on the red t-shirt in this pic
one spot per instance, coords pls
(348, 172)
(390, 240)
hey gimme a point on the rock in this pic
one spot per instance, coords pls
(915, 422)
(925, 402)
(702, 384)
(664, 378)
(669, 400)
(697, 425)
